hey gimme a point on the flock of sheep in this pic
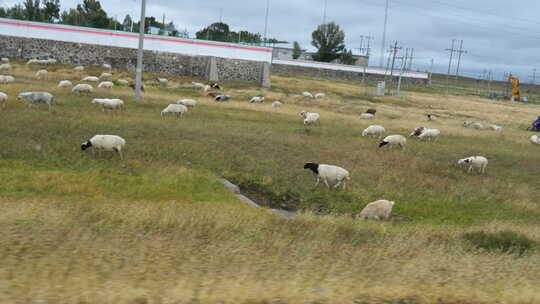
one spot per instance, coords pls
(328, 174)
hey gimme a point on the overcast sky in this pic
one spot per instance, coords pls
(499, 35)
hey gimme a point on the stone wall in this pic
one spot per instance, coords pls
(126, 58)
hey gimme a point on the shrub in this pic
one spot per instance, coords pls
(503, 241)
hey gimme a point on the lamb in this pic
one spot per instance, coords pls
(431, 117)
(37, 98)
(106, 85)
(42, 73)
(477, 125)
(319, 95)
(5, 67)
(479, 162)
(535, 140)
(90, 79)
(329, 173)
(496, 128)
(177, 109)
(215, 86)
(393, 140)
(3, 99)
(259, 99)
(64, 84)
(123, 82)
(429, 134)
(366, 116)
(223, 98)
(79, 68)
(6, 79)
(4, 59)
(307, 94)
(109, 104)
(276, 104)
(82, 88)
(380, 210)
(110, 143)
(187, 102)
(374, 130)
(105, 75)
(309, 118)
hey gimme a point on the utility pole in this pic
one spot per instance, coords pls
(395, 50)
(383, 43)
(430, 73)
(266, 21)
(451, 50)
(403, 64)
(460, 51)
(411, 59)
(368, 48)
(163, 22)
(138, 78)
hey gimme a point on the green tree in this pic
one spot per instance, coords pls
(17, 12)
(32, 11)
(347, 57)
(218, 31)
(126, 25)
(3, 12)
(92, 15)
(297, 51)
(329, 41)
(51, 10)
(70, 17)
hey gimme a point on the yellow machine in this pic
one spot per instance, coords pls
(515, 87)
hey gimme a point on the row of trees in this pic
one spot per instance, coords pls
(220, 31)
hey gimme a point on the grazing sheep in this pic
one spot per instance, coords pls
(319, 95)
(82, 88)
(106, 85)
(215, 86)
(374, 130)
(107, 66)
(393, 140)
(109, 104)
(223, 98)
(380, 210)
(4, 59)
(276, 104)
(42, 73)
(417, 131)
(477, 126)
(366, 116)
(535, 140)
(50, 61)
(307, 94)
(3, 99)
(371, 111)
(90, 79)
(328, 173)
(6, 79)
(163, 81)
(5, 67)
(259, 99)
(177, 109)
(213, 94)
(430, 134)
(309, 118)
(200, 85)
(105, 75)
(467, 123)
(187, 102)
(431, 117)
(133, 86)
(109, 143)
(496, 128)
(479, 162)
(37, 98)
(79, 68)
(64, 84)
(123, 82)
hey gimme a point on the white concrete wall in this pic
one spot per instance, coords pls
(27, 29)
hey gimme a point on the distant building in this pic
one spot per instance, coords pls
(287, 53)
(154, 30)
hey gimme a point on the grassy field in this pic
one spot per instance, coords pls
(158, 228)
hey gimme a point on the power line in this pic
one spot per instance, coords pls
(461, 51)
(451, 50)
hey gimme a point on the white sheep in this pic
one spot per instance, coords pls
(223, 98)
(430, 134)
(431, 117)
(176, 109)
(7, 79)
(329, 173)
(109, 143)
(82, 88)
(107, 66)
(5, 67)
(187, 102)
(417, 131)
(215, 86)
(90, 79)
(307, 94)
(5, 59)
(374, 130)
(64, 84)
(479, 162)
(106, 85)
(42, 73)
(105, 75)
(535, 140)
(163, 81)
(467, 123)
(199, 85)
(32, 61)
(109, 104)
(276, 104)
(3, 99)
(319, 95)
(37, 98)
(393, 140)
(123, 82)
(50, 61)
(78, 68)
(496, 128)
(259, 99)
(366, 116)
(309, 117)
(477, 125)
(380, 210)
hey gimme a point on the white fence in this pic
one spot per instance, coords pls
(19, 28)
